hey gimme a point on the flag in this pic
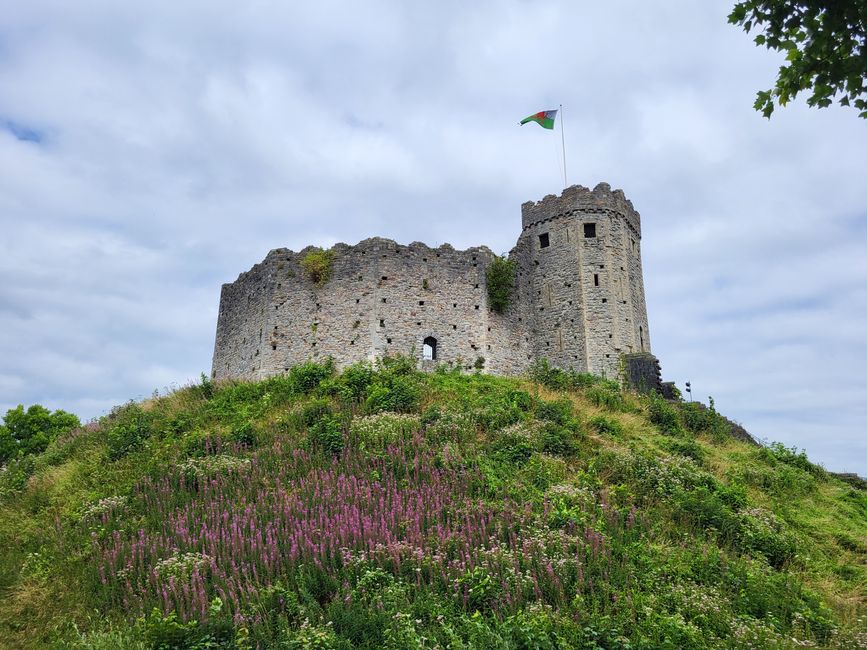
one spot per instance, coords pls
(545, 119)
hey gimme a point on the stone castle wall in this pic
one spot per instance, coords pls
(578, 299)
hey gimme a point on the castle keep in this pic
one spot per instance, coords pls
(578, 299)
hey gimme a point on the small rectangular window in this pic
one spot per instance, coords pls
(381, 322)
(595, 279)
(544, 240)
(589, 230)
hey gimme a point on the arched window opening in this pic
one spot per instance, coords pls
(429, 349)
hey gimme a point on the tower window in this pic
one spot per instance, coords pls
(429, 349)
(595, 279)
(589, 230)
(544, 240)
(382, 322)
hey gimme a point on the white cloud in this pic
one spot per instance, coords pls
(180, 142)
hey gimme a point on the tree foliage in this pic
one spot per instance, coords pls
(500, 276)
(29, 432)
(824, 42)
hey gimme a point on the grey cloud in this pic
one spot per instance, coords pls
(178, 143)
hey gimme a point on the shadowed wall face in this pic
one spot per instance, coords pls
(578, 299)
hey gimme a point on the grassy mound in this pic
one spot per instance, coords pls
(384, 508)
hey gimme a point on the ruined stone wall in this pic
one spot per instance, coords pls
(578, 299)
(242, 323)
(382, 298)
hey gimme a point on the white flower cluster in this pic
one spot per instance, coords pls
(181, 565)
(383, 429)
(102, 507)
(211, 465)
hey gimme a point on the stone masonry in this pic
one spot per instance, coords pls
(578, 299)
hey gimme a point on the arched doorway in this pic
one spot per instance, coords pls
(429, 349)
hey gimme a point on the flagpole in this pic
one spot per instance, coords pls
(563, 142)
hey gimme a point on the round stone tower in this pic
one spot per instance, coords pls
(580, 279)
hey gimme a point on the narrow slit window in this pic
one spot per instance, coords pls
(595, 279)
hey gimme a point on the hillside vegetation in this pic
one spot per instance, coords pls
(385, 508)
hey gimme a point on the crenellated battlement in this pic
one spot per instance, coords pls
(578, 199)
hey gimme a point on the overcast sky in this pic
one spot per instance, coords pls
(149, 155)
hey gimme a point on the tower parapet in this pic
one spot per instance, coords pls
(578, 198)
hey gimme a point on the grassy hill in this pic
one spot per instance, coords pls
(384, 508)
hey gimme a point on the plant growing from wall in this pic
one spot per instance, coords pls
(317, 265)
(500, 276)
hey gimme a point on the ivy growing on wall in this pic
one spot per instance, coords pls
(500, 276)
(317, 265)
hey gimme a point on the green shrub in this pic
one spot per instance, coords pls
(534, 629)
(397, 394)
(605, 425)
(169, 633)
(311, 637)
(353, 383)
(559, 412)
(500, 278)
(699, 419)
(307, 376)
(558, 440)
(664, 415)
(14, 476)
(761, 531)
(606, 396)
(686, 447)
(326, 434)
(777, 451)
(315, 410)
(244, 434)
(317, 264)
(127, 428)
(481, 588)
(559, 379)
(514, 445)
(544, 471)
